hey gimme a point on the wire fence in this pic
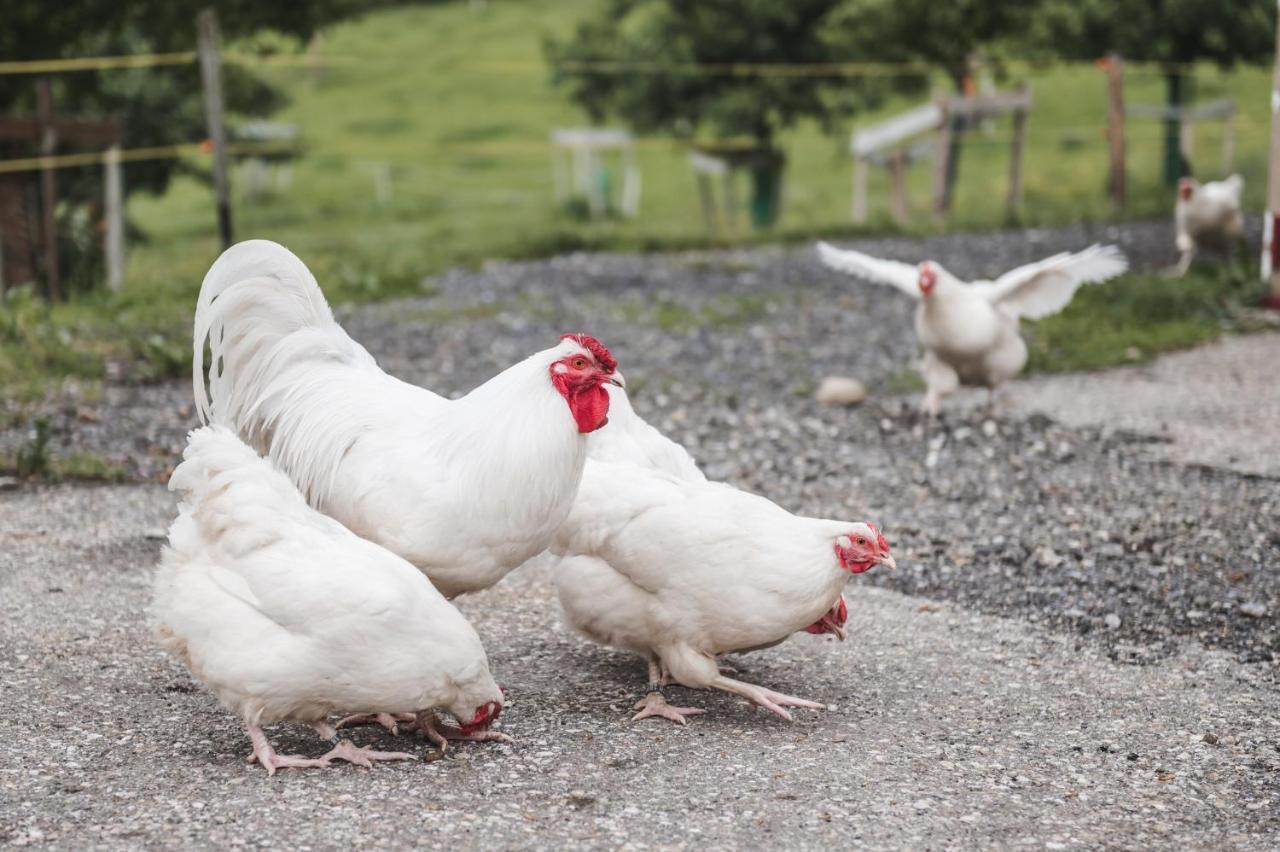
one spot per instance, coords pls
(482, 173)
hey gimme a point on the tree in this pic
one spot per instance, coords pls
(662, 65)
(1173, 32)
(153, 106)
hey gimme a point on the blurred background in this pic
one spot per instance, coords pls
(384, 142)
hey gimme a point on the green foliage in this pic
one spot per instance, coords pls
(946, 35)
(1138, 317)
(659, 36)
(1221, 31)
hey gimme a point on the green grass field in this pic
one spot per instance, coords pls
(457, 102)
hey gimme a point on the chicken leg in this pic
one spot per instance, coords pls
(766, 698)
(654, 704)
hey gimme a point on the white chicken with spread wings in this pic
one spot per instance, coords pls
(969, 330)
(286, 615)
(657, 560)
(465, 489)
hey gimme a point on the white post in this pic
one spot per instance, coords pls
(859, 210)
(1270, 267)
(113, 247)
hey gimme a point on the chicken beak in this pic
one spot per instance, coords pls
(617, 379)
(888, 562)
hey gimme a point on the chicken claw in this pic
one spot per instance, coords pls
(766, 698)
(390, 721)
(655, 705)
(264, 754)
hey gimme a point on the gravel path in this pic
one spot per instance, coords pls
(1218, 405)
(945, 729)
(1069, 593)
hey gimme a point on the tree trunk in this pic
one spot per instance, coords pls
(1174, 165)
(958, 124)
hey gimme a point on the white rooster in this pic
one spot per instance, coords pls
(1207, 215)
(285, 614)
(969, 331)
(657, 560)
(465, 489)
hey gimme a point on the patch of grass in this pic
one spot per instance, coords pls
(722, 313)
(903, 380)
(34, 461)
(1137, 317)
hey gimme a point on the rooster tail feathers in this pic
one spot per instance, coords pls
(255, 294)
(274, 348)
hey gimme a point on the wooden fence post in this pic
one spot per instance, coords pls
(207, 43)
(941, 161)
(48, 188)
(113, 207)
(1016, 146)
(1114, 67)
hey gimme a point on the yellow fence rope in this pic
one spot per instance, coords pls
(162, 152)
(583, 67)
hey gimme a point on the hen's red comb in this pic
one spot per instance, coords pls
(881, 541)
(596, 348)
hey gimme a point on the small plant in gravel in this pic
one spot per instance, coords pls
(35, 461)
(32, 459)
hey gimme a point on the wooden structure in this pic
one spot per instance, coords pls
(895, 144)
(28, 205)
(209, 50)
(578, 170)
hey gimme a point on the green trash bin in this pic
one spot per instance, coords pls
(766, 190)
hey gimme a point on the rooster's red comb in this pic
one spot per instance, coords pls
(596, 348)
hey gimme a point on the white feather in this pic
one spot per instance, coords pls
(286, 615)
(903, 276)
(1039, 289)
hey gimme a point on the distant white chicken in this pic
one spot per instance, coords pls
(465, 489)
(969, 331)
(657, 560)
(1207, 216)
(286, 615)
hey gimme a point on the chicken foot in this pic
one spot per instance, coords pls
(766, 698)
(390, 721)
(654, 704)
(264, 754)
